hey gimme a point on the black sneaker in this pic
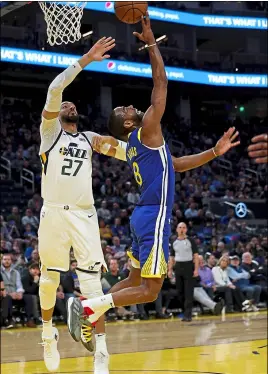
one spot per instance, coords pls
(218, 307)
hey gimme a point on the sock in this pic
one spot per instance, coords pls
(99, 305)
(47, 328)
(101, 343)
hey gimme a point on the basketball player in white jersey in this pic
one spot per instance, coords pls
(68, 217)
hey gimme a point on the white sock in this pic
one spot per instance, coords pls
(47, 329)
(101, 343)
(99, 305)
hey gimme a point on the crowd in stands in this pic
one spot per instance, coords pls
(115, 195)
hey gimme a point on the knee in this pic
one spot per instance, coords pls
(150, 294)
(90, 284)
(49, 282)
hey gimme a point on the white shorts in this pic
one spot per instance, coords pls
(63, 227)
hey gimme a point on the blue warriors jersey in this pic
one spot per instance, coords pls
(150, 221)
(153, 171)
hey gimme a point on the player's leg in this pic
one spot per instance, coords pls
(90, 260)
(54, 250)
(153, 258)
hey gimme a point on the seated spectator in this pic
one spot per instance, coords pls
(30, 219)
(118, 229)
(232, 295)
(206, 278)
(203, 298)
(117, 247)
(14, 289)
(5, 301)
(35, 204)
(111, 278)
(133, 197)
(30, 248)
(30, 283)
(211, 260)
(191, 212)
(103, 212)
(219, 251)
(240, 278)
(105, 231)
(15, 216)
(258, 273)
(29, 233)
(70, 282)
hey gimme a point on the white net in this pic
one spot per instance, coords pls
(63, 21)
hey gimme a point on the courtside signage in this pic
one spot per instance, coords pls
(32, 57)
(191, 19)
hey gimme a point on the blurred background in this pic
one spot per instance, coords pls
(205, 56)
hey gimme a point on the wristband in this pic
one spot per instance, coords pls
(215, 154)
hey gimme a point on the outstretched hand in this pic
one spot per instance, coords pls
(147, 35)
(259, 149)
(99, 50)
(226, 141)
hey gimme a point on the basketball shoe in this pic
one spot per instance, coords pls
(86, 337)
(51, 353)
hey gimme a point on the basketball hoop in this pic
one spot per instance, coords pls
(63, 21)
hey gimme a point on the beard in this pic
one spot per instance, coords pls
(70, 119)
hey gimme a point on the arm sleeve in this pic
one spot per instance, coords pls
(172, 251)
(194, 246)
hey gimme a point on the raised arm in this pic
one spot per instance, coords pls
(151, 134)
(223, 145)
(55, 90)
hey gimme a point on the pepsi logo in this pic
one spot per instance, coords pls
(109, 5)
(111, 65)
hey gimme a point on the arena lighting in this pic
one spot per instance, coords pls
(241, 109)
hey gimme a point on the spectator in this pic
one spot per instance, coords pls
(30, 283)
(258, 273)
(133, 197)
(114, 275)
(117, 247)
(103, 212)
(118, 229)
(211, 261)
(191, 212)
(184, 255)
(30, 219)
(219, 251)
(29, 233)
(15, 216)
(206, 278)
(35, 204)
(240, 278)
(13, 286)
(70, 282)
(203, 298)
(105, 231)
(5, 301)
(233, 296)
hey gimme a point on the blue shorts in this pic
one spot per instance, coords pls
(150, 228)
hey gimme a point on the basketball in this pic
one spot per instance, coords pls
(130, 11)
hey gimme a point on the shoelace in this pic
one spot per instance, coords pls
(86, 333)
(47, 345)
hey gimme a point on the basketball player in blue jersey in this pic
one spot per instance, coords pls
(152, 166)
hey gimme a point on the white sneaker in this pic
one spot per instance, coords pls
(255, 309)
(101, 363)
(51, 353)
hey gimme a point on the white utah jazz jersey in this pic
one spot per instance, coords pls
(67, 166)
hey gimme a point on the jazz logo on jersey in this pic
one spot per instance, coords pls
(132, 152)
(73, 151)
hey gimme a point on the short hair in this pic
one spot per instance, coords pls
(116, 125)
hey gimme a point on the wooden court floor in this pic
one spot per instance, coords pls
(234, 344)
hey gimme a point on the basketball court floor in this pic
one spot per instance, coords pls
(235, 344)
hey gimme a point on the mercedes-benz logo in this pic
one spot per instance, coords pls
(241, 210)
